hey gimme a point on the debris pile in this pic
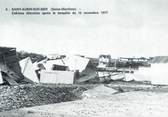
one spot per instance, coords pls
(13, 97)
(9, 66)
(71, 69)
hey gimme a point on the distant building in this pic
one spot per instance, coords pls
(55, 56)
(141, 59)
(104, 61)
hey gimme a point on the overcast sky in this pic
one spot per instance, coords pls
(131, 28)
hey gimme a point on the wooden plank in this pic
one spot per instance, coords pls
(27, 80)
(11, 73)
(11, 81)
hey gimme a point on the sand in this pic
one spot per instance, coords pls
(128, 104)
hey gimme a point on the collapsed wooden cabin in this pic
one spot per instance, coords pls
(9, 66)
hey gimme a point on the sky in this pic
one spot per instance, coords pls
(131, 28)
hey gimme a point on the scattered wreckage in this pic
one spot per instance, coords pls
(10, 70)
(62, 69)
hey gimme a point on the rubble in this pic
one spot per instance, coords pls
(13, 97)
(9, 66)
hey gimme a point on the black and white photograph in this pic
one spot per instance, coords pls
(83, 58)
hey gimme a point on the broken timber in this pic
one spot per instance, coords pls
(9, 65)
